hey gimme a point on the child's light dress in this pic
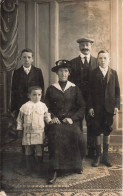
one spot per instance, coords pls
(31, 120)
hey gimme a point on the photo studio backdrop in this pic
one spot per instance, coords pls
(50, 28)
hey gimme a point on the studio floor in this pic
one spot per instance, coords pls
(98, 181)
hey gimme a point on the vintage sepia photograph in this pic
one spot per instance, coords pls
(61, 97)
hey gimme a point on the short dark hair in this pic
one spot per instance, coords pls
(31, 88)
(64, 67)
(103, 51)
(27, 50)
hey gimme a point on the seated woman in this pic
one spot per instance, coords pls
(65, 139)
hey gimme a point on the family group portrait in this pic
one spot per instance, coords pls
(61, 97)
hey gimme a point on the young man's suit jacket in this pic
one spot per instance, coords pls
(77, 73)
(20, 84)
(112, 91)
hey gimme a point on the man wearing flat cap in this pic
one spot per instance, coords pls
(81, 68)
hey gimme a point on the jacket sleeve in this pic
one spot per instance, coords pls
(91, 88)
(14, 90)
(72, 76)
(41, 82)
(80, 105)
(117, 92)
(47, 101)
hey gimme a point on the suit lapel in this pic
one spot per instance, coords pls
(31, 70)
(79, 63)
(99, 75)
(56, 85)
(109, 74)
(92, 61)
(31, 73)
(23, 75)
(22, 69)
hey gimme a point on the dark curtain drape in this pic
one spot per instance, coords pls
(9, 34)
(9, 58)
(9, 43)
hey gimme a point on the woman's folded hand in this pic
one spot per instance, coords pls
(55, 120)
(68, 121)
(91, 112)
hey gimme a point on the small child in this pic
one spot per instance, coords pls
(31, 120)
(104, 102)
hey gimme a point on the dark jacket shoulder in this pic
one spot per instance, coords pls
(78, 58)
(35, 68)
(32, 67)
(98, 70)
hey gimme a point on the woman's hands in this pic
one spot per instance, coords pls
(91, 112)
(55, 120)
(68, 121)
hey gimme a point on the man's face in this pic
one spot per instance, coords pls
(104, 59)
(85, 47)
(35, 95)
(26, 59)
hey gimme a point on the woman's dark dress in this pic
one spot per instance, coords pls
(66, 143)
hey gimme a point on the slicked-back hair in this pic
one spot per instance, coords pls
(27, 50)
(103, 51)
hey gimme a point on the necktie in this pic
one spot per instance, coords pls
(86, 62)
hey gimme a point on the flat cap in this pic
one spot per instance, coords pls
(85, 40)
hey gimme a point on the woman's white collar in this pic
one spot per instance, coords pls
(68, 85)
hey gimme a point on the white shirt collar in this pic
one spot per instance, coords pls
(27, 69)
(68, 85)
(83, 55)
(104, 70)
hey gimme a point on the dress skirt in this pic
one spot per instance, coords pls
(66, 146)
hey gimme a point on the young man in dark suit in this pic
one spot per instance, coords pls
(23, 78)
(81, 69)
(103, 104)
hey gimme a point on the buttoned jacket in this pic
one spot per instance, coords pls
(77, 72)
(112, 91)
(65, 104)
(20, 84)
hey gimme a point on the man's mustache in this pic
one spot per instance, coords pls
(85, 49)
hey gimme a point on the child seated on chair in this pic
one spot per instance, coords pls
(31, 119)
(103, 104)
